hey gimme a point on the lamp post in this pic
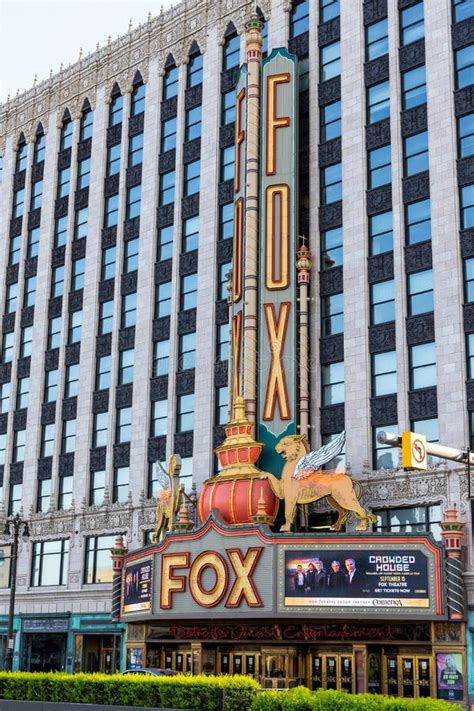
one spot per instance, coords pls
(14, 525)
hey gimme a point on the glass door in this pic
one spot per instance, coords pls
(333, 671)
(409, 676)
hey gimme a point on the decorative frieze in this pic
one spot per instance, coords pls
(331, 349)
(420, 329)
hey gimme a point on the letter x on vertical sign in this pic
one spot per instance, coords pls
(276, 384)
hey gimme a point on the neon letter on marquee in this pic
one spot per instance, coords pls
(172, 583)
(243, 586)
(212, 597)
(276, 384)
(277, 245)
(273, 121)
(239, 137)
(238, 242)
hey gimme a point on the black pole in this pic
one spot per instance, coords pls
(17, 524)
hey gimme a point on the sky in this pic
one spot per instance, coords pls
(37, 35)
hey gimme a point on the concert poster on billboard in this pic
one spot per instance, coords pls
(137, 587)
(375, 577)
(449, 676)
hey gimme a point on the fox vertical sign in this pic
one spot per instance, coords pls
(277, 361)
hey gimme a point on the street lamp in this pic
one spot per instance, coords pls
(13, 527)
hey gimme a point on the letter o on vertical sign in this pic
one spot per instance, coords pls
(277, 236)
(215, 562)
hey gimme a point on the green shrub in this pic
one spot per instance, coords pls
(301, 699)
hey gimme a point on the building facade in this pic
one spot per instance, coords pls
(117, 204)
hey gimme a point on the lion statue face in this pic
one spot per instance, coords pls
(292, 447)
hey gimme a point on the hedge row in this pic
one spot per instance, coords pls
(302, 699)
(179, 692)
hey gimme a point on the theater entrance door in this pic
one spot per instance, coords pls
(332, 670)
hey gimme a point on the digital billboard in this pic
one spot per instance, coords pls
(137, 587)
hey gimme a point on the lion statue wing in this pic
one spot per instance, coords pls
(314, 460)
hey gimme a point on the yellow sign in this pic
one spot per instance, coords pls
(413, 451)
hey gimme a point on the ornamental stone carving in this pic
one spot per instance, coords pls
(103, 345)
(465, 170)
(161, 328)
(423, 404)
(412, 55)
(69, 408)
(169, 108)
(331, 281)
(8, 323)
(414, 120)
(75, 300)
(464, 100)
(188, 263)
(229, 79)
(377, 134)
(111, 185)
(55, 307)
(183, 444)
(131, 228)
(19, 180)
(73, 353)
(157, 449)
(100, 401)
(227, 135)
(23, 367)
(165, 215)
(379, 200)
(48, 413)
(167, 161)
(122, 454)
(186, 321)
(185, 382)
(416, 187)
(31, 267)
(66, 464)
(418, 257)
(45, 468)
(330, 216)
(64, 159)
(19, 419)
(222, 312)
(191, 151)
(299, 45)
(16, 473)
(27, 316)
(470, 394)
(221, 373)
(61, 207)
(397, 488)
(374, 10)
(224, 251)
(383, 410)
(193, 97)
(124, 395)
(58, 256)
(98, 459)
(16, 225)
(163, 271)
(115, 519)
(329, 32)
(226, 191)
(3, 423)
(467, 242)
(106, 290)
(382, 337)
(126, 338)
(5, 372)
(128, 283)
(468, 318)
(12, 274)
(329, 91)
(462, 33)
(420, 329)
(78, 248)
(51, 359)
(114, 135)
(332, 419)
(60, 523)
(218, 436)
(136, 124)
(376, 71)
(380, 267)
(109, 236)
(329, 152)
(134, 176)
(331, 349)
(84, 149)
(37, 171)
(159, 388)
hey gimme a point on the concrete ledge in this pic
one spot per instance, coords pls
(7, 705)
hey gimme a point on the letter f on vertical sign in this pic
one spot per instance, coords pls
(276, 384)
(273, 121)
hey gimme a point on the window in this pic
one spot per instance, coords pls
(467, 206)
(170, 83)
(33, 242)
(26, 341)
(121, 484)
(57, 282)
(188, 298)
(14, 251)
(51, 385)
(469, 353)
(168, 135)
(185, 422)
(227, 163)
(29, 294)
(165, 243)
(134, 196)
(163, 299)
(87, 120)
(328, 10)
(469, 280)
(418, 221)
(11, 298)
(416, 153)
(123, 428)
(21, 157)
(65, 492)
(64, 181)
(382, 300)
(332, 314)
(19, 439)
(411, 24)
(83, 173)
(378, 102)
(116, 109)
(113, 160)
(106, 317)
(15, 499)
(331, 184)
(194, 71)
(47, 440)
(226, 221)
(381, 233)
(223, 271)
(5, 390)
(135, 150)
(190, 234)
(422, 366)
(420, 292)
(102, 379)
(385, 457)
(330, 121)
(36, 195)
(464, 62)
(54, 332)
(376, 40)
(99, 429)
(187, 351)
(222, 405)
(462, 9)
(299, 18)
(416, 519)
(111, 211)
(60, 232)
(129, 310)
(159, 418)
(77, 274)
(3, 447)
(66, 135)
(193, 123)
(333, 383)
(414, 87)
(18, 203)
(108, 263)
(331, 248)
(68, 441)
(228, 107)
(130, 256)
(466, 135)
(231, 52)
(161, 358)
(50, 563)
(97, 488)
(384, 373)
(43, 498)
(138, 100)
(330, 61)
(186, 469)
(71, 385)
(126, 360)
(98, 567)
(80, 223)
(22, 392)
(192, 178)
(8, 342)
(430, 429)
(167, 188)
(379, 167)
(222, 346)
(75, 325)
